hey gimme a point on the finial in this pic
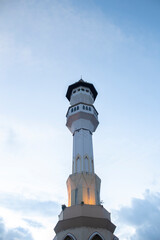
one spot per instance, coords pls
(81, 80)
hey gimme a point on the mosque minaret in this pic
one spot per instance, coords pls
(84, 218)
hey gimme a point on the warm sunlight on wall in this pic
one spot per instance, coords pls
(89, 197)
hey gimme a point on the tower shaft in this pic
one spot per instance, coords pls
(82, 152)
(82, 120)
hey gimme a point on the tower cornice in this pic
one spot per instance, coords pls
(91, 105)
(81, 84)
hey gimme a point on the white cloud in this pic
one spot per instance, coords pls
(18, 233)
(143, 216)
(35, 216)
(30, 154)
(32, 223)
(28, 206)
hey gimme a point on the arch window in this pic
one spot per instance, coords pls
(92, 166)
(88, 193)
(78, 165)
(69, 237)
(76, 195)
(96, 236)
(88, 108)
(72, 110)
(77, 107)
(86, 164)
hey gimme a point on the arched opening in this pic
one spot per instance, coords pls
(86, 164)
(92, 166)
(78, 165)
(69, 237)
(97, 237)
(76, 195)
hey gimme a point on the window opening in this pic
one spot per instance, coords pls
(78, 165)
(92, 166)
(96, 237)
(76, 195)
(98, 197)
(86, 164)
(69, 238)
(88, 193)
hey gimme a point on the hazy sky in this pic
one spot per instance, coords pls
(46, 45)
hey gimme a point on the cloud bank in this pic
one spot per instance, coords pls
(32, 223)
(144, 216)
(31, 206)
(18, 233)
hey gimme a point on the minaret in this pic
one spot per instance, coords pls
(84, 218)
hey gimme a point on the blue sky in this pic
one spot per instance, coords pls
(46, 46)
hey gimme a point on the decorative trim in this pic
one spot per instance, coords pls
(84, 115)
(83, 221)
(77, 130)
(74, 105)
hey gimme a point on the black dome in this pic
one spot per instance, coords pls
(81, 83)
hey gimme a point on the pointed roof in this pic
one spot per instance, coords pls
(81, 83)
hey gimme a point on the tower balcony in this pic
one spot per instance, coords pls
(82, 116)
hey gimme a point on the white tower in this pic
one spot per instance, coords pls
(82, 120)
(84, 218)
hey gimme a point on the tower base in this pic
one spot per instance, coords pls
(85, 222)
